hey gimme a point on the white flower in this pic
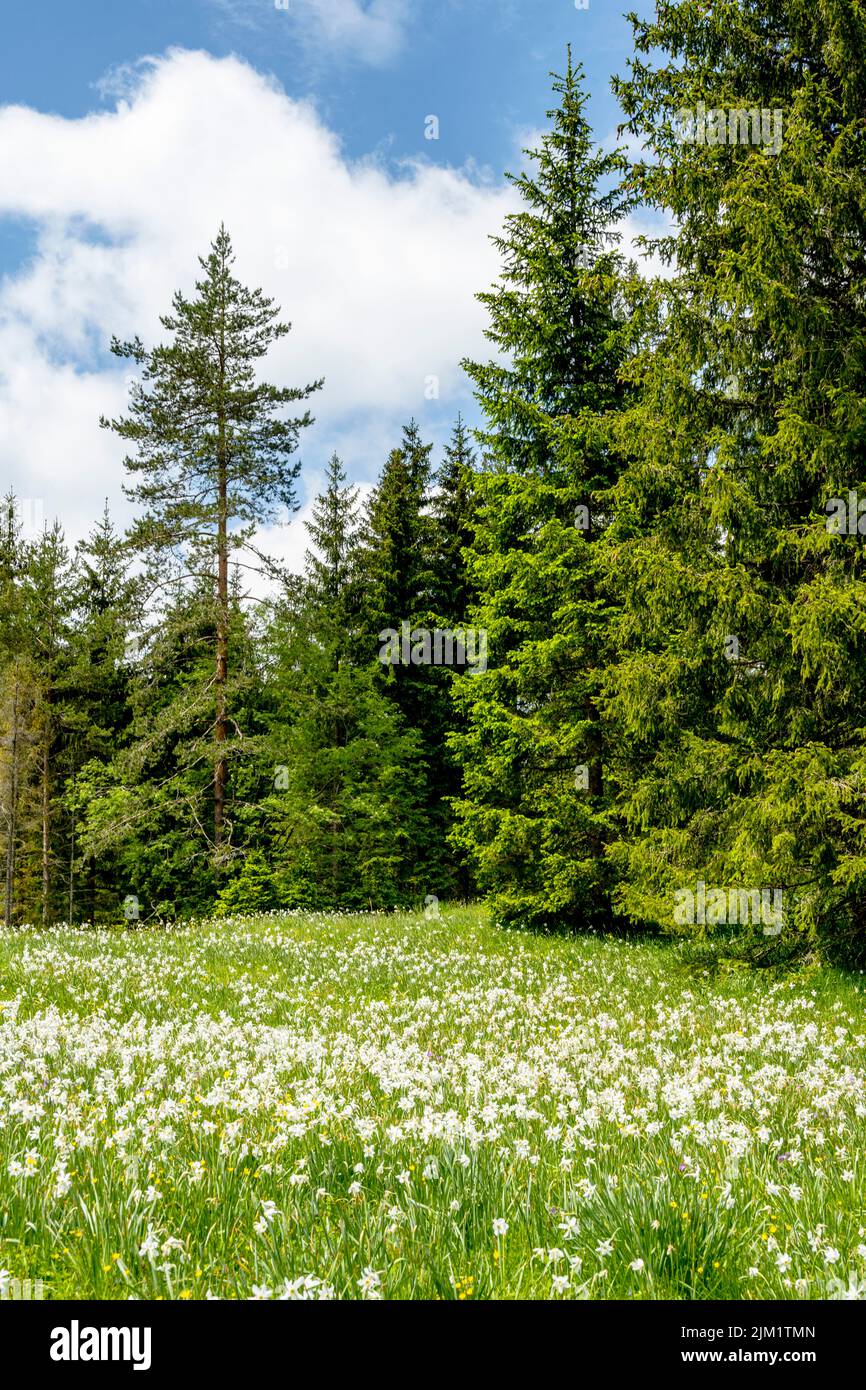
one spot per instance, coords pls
(637, 1265)
(62, 1183)
(500, 1227)
(305, 1289)
(149, 1248)
(831, 1255)
(369, 1284)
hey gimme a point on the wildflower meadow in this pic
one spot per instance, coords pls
(388, 1106)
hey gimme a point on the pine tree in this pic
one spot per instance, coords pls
(536, 814)
(144, 810)
(213, 454)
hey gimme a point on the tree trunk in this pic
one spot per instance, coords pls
(222, 658)
(72, 849)
(13, 806)
(222, 635)
(46, 823)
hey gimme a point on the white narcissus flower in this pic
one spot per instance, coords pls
(370, 1284)
(149, 1248)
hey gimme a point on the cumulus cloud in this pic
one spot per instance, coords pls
(371, 32)
(376, 268)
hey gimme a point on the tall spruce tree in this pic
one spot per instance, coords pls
(346, 810)
(743, 682)
(396, 554)
(452, 513)
(99, 677)
(213, 455)
(19, 734)
(452, 509)
(47, 598)
(536, 811)
(19, 743)
(401, 552)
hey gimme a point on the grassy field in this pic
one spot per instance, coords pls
(381, 1106)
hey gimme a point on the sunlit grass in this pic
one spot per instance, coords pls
(367, 1103)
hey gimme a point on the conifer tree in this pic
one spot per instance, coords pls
(404, 561)
(19, 739)
(12, 559)
(452, 509)
(47, 601)
(396, 553)
(145, 809)
(99, 677)
(212, 455)
(743, 681)
(332, 583)
(18, 697)
(346, 808)
(536, 811)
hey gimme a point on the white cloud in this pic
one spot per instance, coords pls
(377, 271)
(372, 32)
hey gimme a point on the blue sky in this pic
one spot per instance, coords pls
(481, 65)
(332, 95)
